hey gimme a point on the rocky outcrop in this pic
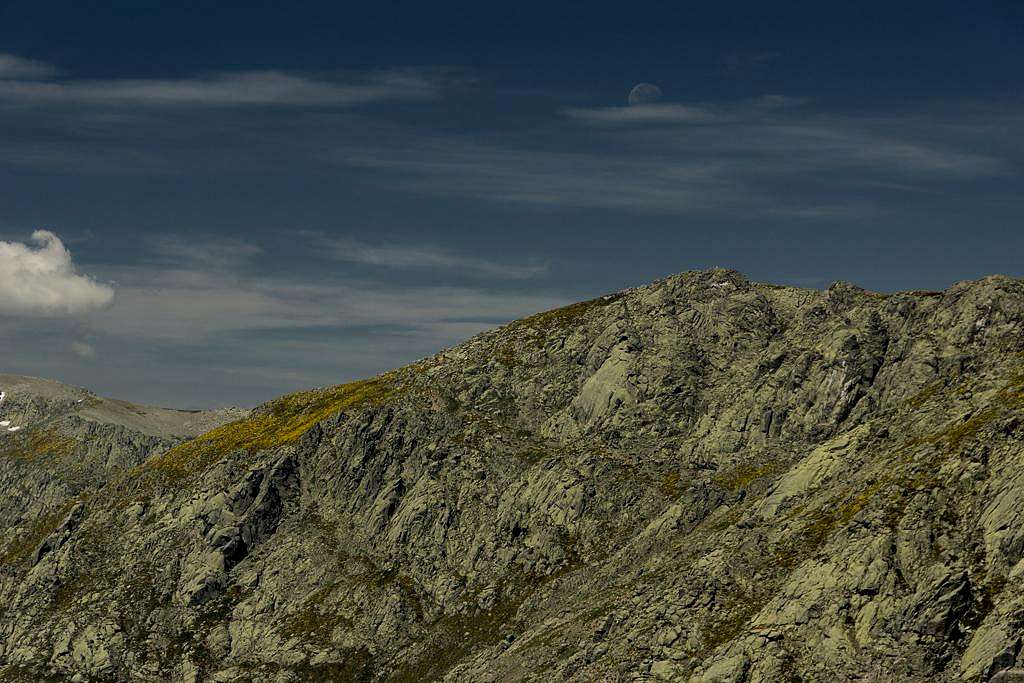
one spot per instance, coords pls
(704, 479)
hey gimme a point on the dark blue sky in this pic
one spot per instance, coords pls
(283, 197)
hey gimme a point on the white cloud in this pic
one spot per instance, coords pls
(181, 331)
(42, 280)
(12, 66)
(221, 90)
(82, 349)
(423, 257)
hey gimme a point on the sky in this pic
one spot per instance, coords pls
(208, 204)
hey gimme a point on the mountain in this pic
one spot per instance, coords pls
(703, 479)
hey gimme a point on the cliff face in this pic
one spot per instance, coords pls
(702, 479)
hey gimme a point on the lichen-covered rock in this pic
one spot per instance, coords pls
(704, 479)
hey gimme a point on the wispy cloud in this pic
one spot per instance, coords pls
(178, 307)
(569, 179)
(420, 257)
(778, 101)
(685, 114)
(82, 349)
(750, 61)
(185, 252)
(646, 113)
(12, 66)
(768, 155)
(20, 84)
(183, 294)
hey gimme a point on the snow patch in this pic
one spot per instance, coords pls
(6, 423)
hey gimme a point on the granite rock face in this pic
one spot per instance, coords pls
(703, 479)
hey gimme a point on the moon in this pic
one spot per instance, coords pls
(644, 93)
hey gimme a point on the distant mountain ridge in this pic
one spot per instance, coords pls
(702, 479)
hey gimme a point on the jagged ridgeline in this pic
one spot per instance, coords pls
(703, 479)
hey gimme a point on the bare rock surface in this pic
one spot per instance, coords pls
(703, 479)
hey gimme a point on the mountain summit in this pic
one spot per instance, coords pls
(703, 479)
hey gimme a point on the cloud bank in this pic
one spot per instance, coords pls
(42, 280)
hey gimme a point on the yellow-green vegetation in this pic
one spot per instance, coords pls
(453, 637)
(570, 544)
(953, 437)
(565, 316)
(820, 524)
(987, 586)
(540, 452)
(279, 423)
(669, 485)
(1013, 392)
(739, 607)
(191, 637)
(356, 665)
(745, 474)
(447, 641)
(731, 619)
(89, 573)
(956, 436)
(17, 673)
(1010, 397)
(722, 521)
(550, 635)
(77, 585)
(25, 544)
(34, 444)
(405, 585)
(505, 353)
(922, 397)
(376, 579)
(313, 622)
(541, 323)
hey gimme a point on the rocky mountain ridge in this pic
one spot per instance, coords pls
(702, 479)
